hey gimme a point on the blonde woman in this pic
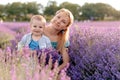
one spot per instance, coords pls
(58, 32)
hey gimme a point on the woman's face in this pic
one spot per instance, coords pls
(37, 27)
(61, 21)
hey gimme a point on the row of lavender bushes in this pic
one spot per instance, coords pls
(94, 53)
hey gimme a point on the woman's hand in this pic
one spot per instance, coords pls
(65, 57)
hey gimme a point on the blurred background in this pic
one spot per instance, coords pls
(22, 10)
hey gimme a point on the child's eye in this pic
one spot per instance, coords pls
(64, 22)
(40, 26)
(35, 26)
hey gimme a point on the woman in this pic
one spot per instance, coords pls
(58, 32)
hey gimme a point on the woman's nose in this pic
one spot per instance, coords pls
(58, 21)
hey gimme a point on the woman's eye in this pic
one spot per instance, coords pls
(58, 17)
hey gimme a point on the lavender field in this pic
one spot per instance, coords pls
(94, 51)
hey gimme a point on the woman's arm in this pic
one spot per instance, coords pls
(65, 57)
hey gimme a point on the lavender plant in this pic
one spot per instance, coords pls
(94, 55)
(49, 52)
(24, 66)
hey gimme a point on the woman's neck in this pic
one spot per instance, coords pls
(52, 31)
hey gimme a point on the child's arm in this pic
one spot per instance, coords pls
(21, 44)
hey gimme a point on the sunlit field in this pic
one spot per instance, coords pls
(94, 53)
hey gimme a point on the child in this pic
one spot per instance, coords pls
(35, 39)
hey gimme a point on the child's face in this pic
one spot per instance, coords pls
(37, 27)
(60, 21)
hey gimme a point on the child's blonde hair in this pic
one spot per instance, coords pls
(64, 35)
(39, 18)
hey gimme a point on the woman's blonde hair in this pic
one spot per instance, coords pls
(64, 34)
(39, 18)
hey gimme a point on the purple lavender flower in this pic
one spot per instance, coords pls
(49, 51)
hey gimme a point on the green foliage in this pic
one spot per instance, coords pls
(97, 11)
(1, 10)
(51, 8)
(32, 7)
(74, 8)
(18, 11)
(48, 18)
